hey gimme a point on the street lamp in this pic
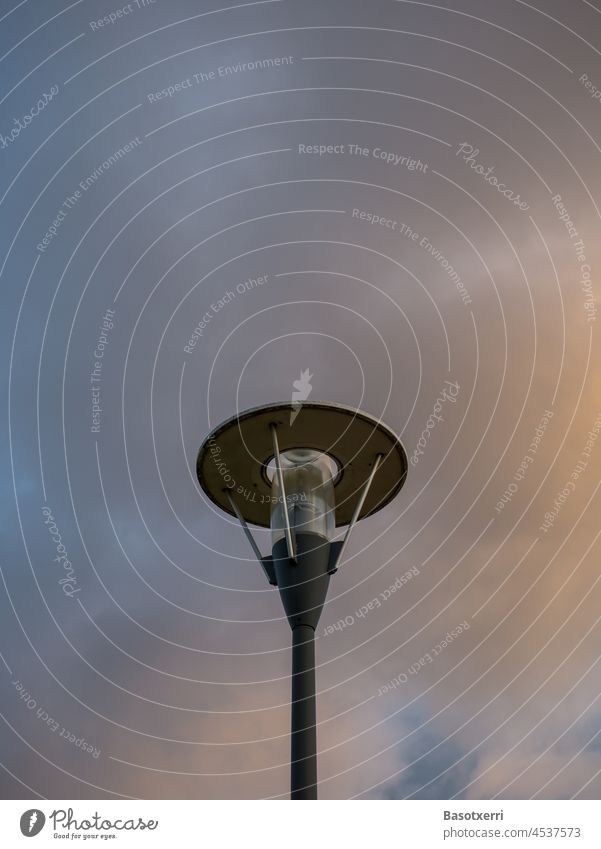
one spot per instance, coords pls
(301, 472)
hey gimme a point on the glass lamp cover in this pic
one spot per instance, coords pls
(309, 485)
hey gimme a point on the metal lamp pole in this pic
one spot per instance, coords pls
(331, 466)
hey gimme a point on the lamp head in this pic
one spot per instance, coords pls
(333, 445)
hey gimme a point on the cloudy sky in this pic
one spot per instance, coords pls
(198, 202)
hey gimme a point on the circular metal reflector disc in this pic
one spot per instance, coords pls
(236, 454)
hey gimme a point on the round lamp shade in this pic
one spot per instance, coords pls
(237, 454)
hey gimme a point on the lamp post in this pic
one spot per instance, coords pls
(301, 473)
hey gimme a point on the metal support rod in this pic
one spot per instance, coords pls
(278, 468)
(303, 748)
(359, 506)
(245, 527)
(249, 536)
